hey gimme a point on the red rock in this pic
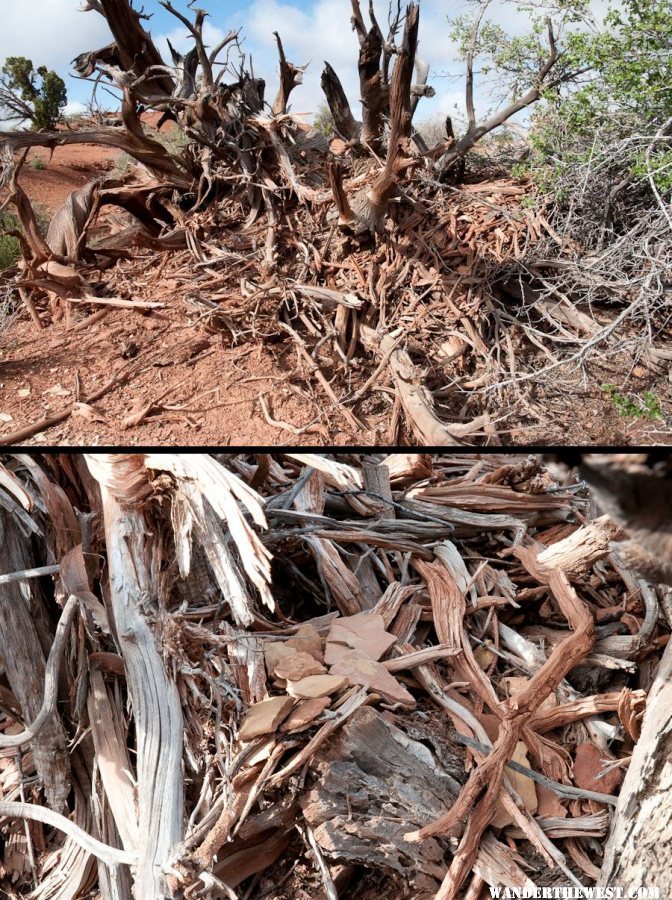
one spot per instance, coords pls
(274, 651)
(363, 632)
(297, 666)
(588, 764)
(307, 640)
(549, 803)
(316, 686)
(264, 717)
(373, 675)
(305, 713)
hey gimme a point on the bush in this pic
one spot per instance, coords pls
(123, 163)
(604, 148)
(323, 121)
(9, 246)
(174, 139)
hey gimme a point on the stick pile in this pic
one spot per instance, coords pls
(289, 676)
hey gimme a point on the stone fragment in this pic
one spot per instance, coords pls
(523, 785)
(305, 713)
(484, 657)
(514, 684)
(261, 752)
(264, 717)
(300, 665)
(363, 632)
(549, 803)
(588, 764)
(373, 675)
(316, 686)
(274, 651)
(307, 640)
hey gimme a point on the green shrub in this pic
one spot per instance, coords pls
(174, 139)
(645, 407)
(323, 121)
(9, 246)
(123, 163)
(611, 125)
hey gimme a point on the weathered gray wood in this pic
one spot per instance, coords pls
(377, 482)
(361, 808)
(373, 781)
(25, 664)
(133, 586)
(639, 850)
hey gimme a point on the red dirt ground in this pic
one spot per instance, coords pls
(68, 169)
(40, 372)
(210, 393)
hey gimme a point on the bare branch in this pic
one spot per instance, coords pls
(111, 856)
(290, 77)
(196, 31)
(50, 682)
(344, 122)
(133, 49)
(475, 132)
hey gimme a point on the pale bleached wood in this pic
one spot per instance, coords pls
(113, 761)
(133, 587)
(25, 664)
(110, 855)
(208, 492)
(577, 553)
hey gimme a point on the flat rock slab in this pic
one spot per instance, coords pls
(264, 717)
(363, 632)
(298, 665)
(307, 640)
(372, 675)
(305, 713)
(316, 686)
(588, 765)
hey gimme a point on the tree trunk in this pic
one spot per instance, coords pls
(370, 207)
(133, 49)
(344, 122)
(290, 76)
(375, 97)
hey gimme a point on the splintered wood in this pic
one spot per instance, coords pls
(307, 675)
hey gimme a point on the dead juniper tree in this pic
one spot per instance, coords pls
(237, 146)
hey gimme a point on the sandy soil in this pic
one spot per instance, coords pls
(188, 386)
(66, 170)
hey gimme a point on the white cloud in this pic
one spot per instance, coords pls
(49, 32)
(324, 33)
(74, 108)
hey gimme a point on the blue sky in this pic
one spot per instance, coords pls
(52, 32)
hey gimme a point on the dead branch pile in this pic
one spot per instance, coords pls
(393, 270)
(315, 676)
